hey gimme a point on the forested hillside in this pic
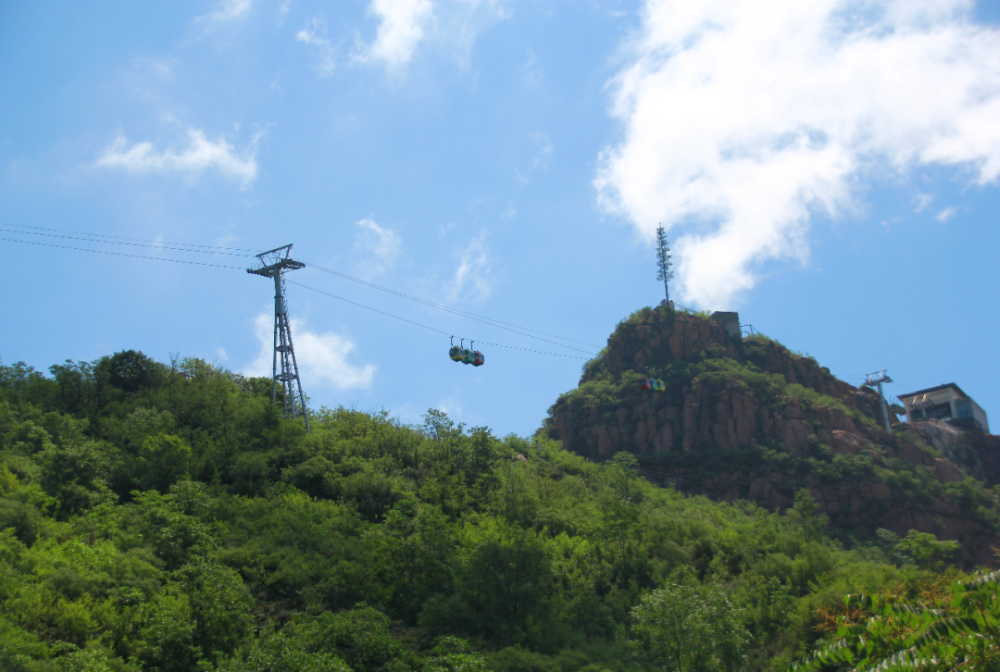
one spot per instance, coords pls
(163, 517)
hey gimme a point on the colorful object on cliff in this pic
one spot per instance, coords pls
(462, 354)
(652, 384)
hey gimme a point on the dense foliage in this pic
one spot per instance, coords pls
(162, 517)
(925, 626)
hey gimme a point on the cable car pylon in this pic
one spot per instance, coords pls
(274, 264)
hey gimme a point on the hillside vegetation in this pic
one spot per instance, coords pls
(746, 419)
(164, 517)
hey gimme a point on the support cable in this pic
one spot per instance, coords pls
(164, 246)
(100, 238)
(121, 254)
(137, 240)
(424, 326)
(523, 331)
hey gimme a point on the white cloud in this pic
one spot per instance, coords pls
(231, 9)
(199, 155)
(406, 24)
(315, 36)
(382, 247)
(474, 272)
(322, 358)
(402, 24)
(745, 117)
(922, 201)
(946, 214)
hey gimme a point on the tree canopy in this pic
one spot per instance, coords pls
(165, 517)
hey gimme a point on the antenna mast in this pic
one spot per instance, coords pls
(273, 264)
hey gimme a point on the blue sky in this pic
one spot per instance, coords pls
(829, 169)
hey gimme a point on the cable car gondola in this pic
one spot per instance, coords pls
(456, 353)
(651, 384)
(459, 353)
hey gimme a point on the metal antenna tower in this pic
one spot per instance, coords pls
(273, 264)
(875, 379)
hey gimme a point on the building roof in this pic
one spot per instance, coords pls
(934, 389)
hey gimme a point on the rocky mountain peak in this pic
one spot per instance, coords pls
(746, 418)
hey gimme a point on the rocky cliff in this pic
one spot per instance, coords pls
(748, 419)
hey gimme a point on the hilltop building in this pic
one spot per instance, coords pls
(944, 402)
(730, 322)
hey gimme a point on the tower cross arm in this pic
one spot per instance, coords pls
(272, 269)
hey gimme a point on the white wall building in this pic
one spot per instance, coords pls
(944, 402)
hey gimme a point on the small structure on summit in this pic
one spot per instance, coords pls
(730, 322)
(944, 402)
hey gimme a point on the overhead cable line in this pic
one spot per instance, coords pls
(163, 246)
(208, 249)
(21, 229)
(523, 331)
(121, 254)
(137, 240)
(424, 326)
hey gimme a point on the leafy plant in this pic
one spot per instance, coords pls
(956, 629)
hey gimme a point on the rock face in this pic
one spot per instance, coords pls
(747, 419)
(970, 453)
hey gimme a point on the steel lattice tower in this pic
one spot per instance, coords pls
(273, 264)
(875, 379)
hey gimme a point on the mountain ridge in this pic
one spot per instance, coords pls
(746, 418)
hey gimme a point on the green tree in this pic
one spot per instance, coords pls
(506, 580)
(220, 607)
(280, 653)
(452, 654)
(663, 261)
(164, 459)
(131, 370)
(360, 636)
(925, 548)
(688, 628)
(159, 633)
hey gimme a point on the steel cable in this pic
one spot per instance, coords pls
(139, 243)
(164, 246)
(138, 240)
(121, 254)
(522, 331)
(424, 326)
